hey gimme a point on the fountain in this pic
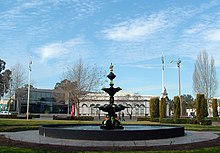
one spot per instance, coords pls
(111, 129)
(111, 121)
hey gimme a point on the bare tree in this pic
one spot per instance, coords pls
(86, 78)
(129, 106)
(18, 80)
(204, 76)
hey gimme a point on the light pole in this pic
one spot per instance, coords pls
(29, 84)
(179, 88)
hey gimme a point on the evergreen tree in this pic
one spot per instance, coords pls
(154, 107)
(162, 108)
(206, 108)
(214, 107)
(200, 103)
(176, 114)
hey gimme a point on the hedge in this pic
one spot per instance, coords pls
(143, 119)
(167, 120)
(215, 119)
(154, 119)
(15, 116)
(205, 122)
(82, 118)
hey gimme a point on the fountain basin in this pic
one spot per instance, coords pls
(93, 132)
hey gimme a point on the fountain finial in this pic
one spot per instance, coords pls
(111, 68)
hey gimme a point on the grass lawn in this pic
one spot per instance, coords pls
(5, 149)
(23, 124)
(9, 124)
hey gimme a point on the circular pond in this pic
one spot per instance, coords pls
(93, 132)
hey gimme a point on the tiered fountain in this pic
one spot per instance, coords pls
(111, 121)
(111, 129)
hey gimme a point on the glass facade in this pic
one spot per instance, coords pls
(41, 101)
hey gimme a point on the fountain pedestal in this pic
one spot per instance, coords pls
(111, 121)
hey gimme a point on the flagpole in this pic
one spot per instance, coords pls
(29, 84)
(162, 72)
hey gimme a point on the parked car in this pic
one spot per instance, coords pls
(5, 113)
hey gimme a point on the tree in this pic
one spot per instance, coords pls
(5, 77)
(154, 107)
(130, 107)
(62, 91)
(18, 80)
(162, 108)
(176, 113)
(204, 76)
(189, 101)
(214, 107)
(205, 108)
(85, 78)
(200, 107)
(136, 96)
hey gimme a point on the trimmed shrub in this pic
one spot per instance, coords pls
(192, 121)
(167, 120)
(214, 107)
(179, 120)
(162, 108)
(176, 113)
(82, 118)
(12, 116)
(15, 116)
(154, 107)
(215, 119)
(143, 119)
(154, 119)
(200, 100)
(205, 122)
(182, 120)
(205, 108)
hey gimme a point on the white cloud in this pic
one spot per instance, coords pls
(58, 49)
(136, 29)
(213, 35)
(195, 29)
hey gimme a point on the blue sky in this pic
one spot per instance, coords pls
(129, 33)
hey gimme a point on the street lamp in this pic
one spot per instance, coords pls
(179, 88)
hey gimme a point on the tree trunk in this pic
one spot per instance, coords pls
(18, 106)
(77, 107)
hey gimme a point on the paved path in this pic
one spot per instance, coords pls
(33, 136)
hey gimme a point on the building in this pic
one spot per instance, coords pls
(43, 101)
(138, 105)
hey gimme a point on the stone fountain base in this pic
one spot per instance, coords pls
(93, 132)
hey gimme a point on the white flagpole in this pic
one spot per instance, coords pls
(29, 84)
(162, 59)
